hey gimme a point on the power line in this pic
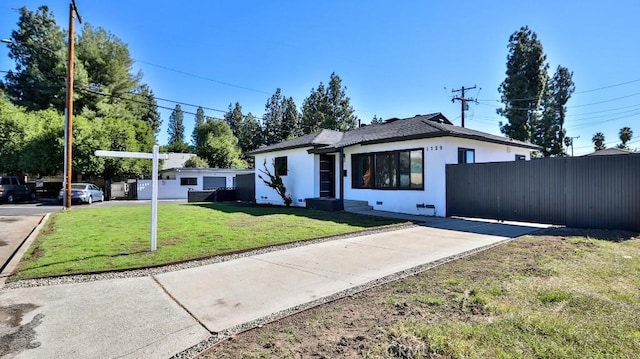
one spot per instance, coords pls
(136, 101)
(605, 101)
(603, 111)
(203, 77)
(594, 123)
(575, 93)
(607, 87)
(583, 105)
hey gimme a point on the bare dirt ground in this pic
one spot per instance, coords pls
(363, 325)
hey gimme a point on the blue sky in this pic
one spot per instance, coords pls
(397, 59)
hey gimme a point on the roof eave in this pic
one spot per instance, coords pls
(258, 151)
(450, 134)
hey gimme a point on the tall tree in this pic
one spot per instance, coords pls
(272, 119)
(290, 119)
(147, 108)
(315, 110)
(522, 90)
(376, 120)
(341, 116)
(234, 118)
(249, 137)
(108, 64)
(598, 141)
(176, 131)
(549, 131)
(625, 136)
(328, 108)
(199, 120)
(38, 49)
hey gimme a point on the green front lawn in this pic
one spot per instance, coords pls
(105, 238)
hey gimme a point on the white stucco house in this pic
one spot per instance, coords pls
(175, 183)
(395, 166)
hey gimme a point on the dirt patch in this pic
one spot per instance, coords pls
(362, 325)
(48, 228)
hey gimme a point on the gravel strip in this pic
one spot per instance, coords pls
(216, 338)
(144, 272)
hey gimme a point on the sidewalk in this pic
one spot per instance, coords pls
(162, 315)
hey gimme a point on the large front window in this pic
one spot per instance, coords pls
(388, 170)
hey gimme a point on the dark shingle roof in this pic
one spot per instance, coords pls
(421, 126)
(318, 139)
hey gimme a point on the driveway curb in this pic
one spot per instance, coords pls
(21, 250)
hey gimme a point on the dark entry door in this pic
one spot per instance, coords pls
(327, 176)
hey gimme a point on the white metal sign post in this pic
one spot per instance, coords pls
(155, 156)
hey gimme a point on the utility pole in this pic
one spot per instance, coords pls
(463, 100)
(568, 141)
(73, 11)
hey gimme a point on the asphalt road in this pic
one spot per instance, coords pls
(44, 206)
(34, 208)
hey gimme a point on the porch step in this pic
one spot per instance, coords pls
(356, 206)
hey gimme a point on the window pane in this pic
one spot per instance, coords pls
(471, 156)
(280, 165)
(361, 169)
(405, 169)
(385, 170)
(416, 169)
(188, 181)
(466, 155)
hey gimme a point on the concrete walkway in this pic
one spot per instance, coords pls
(165, 314)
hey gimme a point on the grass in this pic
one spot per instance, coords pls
(577, 298)
(88, 240)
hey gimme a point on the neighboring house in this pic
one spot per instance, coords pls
(610, 151)
(396, 166)
(176, 160)
(175, 183)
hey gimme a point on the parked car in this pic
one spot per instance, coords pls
(83, 192)
(12, 188)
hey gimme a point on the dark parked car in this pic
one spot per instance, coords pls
(12, 188)
(83, 192)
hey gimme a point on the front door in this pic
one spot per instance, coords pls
(327, 176)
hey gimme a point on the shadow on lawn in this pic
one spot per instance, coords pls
(266, 210)
(116, 255)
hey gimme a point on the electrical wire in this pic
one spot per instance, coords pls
(202, 77)
(87, 90)
(575, 93)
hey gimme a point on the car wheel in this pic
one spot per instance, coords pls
(10, 197)
(32, 196)
(90, 200)
(102, 198)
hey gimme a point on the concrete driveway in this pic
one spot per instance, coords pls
(13, 231)
(164, 314)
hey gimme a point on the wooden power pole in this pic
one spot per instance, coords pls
(463, 100)
(73, 11)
